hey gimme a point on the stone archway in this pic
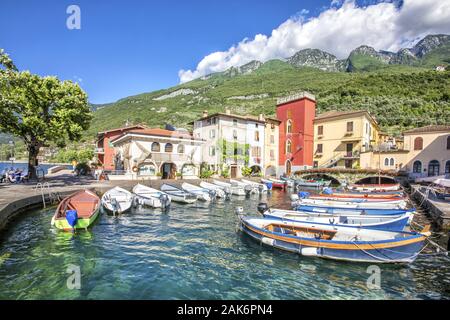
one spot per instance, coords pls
(271, 171)
(376, 180)
(256, 169)
(168, 170)
(318, 176)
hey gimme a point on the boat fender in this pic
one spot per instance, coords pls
(268, 241)
(72, 217)
(309, 252)
(262, 207)
(135, 169)
(294, 197)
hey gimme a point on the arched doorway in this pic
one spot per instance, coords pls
(168, 170)
(376, 180)
(433, 168)
(256, 170)
(288, 167)
(271, 171)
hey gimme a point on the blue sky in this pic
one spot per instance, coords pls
(130, 47)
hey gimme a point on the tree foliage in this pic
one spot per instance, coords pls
(39, 109)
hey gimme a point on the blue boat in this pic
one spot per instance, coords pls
(361, 211)
(392, 223)
(336, 242)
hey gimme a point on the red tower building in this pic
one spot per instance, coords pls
(296, 142)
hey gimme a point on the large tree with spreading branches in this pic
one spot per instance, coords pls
(40, 110)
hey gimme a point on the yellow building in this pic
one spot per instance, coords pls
(272, 133)
(341, 136)
(422, 152)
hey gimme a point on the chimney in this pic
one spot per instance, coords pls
(205, 113)
(227, 111)
(261, 117)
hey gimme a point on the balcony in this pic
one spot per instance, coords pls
(351, 155)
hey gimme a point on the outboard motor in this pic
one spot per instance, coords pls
(262, 207)
(164, 198)
(72, 218)
(294, 197)
(115, 205)
(239, 211)
(248, 190)
(212, 194)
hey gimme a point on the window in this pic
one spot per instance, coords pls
(320, 130)
(212, 134)
(418, 143)
(288, 146)
(316, 164)
(212, 151)
(256, 152)
(448, 143)
(147, 170)
(272, 139)
(156, 147)
(180, 148)
(256, 126)
(235, 123)
(447, 167)
(256, 135)
(319, 148)
(350, 126)
(168, 148)
(367, 128)
(386, 162)
(417, 167)
(272, 154)
(433, 168)
(214, 120)
(235, 135)
(289, 126)
(392, 162)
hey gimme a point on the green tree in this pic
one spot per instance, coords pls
(40, 110)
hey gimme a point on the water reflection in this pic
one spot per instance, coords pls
(190, 252)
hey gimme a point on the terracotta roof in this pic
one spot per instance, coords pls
(161, 132)
(432, 128)
(138, 126)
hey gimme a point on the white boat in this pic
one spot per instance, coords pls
(220, 191)
(236, 190)
(249, 188)
(393, 223)
(151, 197)
(201, 193)
(396, 204)
(261, 187)
(375, 187)
(117, 200)
(178, 195)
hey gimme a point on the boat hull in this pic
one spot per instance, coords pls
(334, 210)
(82, 223)
(403, 251)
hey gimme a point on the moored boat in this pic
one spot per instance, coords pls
(394, 204)
(343, 210)
(335, 242)
(221, 192)
(375, 187)
(201, 193)
(393, 223)
(151, 197)
(248, 187)
(261, 186)
(274, 183)
(77, 211)
(235, 189)
(312, 183)
(178, 195)
(117, 200)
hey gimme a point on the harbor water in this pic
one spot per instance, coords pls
(24, 166)
(191, 252)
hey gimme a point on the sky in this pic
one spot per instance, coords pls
(129, 47)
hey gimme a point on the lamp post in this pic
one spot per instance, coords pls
(12, 159)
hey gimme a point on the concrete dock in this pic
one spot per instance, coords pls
(439, 210)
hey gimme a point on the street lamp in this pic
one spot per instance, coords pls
(13, 146)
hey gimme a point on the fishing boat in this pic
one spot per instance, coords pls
(394, 204)
(344, 210)
(235, 189)
(312, 183)
(150, 197)
(290, 183)
(274, 183)
(178, 195)
(375, 187)
(347, 243)
(261, 186)
(221, 192)
(352, 197)
(393, 223)
(248, 187)
(201, 193)
(77, 211)
(117, 200)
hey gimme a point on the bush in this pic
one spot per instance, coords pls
(246, 171)
(82, 169)
(225, 172)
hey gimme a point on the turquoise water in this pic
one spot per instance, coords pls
(191, 252)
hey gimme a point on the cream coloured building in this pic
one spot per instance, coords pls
(341, 136)
(271, 146)
(423, 152)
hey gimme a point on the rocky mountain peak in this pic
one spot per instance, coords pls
(316, 58)
(430, 43)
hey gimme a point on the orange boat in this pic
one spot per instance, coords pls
(77, 211)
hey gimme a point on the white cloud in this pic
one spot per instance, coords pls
(338, 30)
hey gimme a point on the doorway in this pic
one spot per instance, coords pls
(168, 171)
(433, 168)
(288, 168)
(233, 172)
(349, 150)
